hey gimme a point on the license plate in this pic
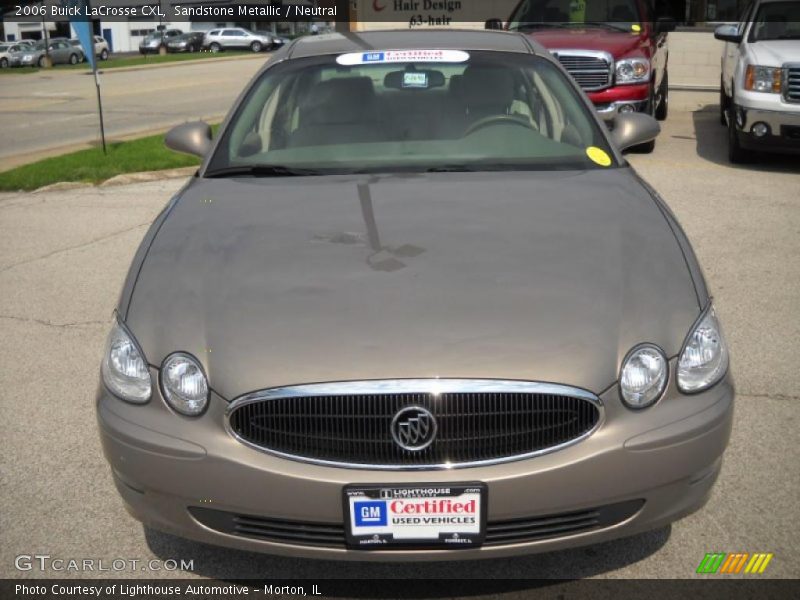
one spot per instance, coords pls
(380, 517)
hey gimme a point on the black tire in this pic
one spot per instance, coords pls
(3, 63)
(723, 104)
(256, 46)
(40, 62)
(662, 110)
(104, 54)
(736, 154)
(190, 48)
(73, 59)
(215, 47)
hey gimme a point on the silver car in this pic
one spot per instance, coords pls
(153, 42)
(9, 48)
(414, 305)
(60, 52)
(217, 40)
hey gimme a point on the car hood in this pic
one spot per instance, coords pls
(775, 53)
(618, 44)
(534, 276)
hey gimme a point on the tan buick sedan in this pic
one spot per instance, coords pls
(414, 305)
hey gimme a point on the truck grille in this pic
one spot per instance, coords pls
(791, 76)
(591, 71)
(454, 423)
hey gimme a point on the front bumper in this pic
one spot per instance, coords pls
(662, 462)
(783, 134)
(610, 101)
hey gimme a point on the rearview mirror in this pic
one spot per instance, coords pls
(190, 138)
(728, 33)
(632, 129)
(493, 24)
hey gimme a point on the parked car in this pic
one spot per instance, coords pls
(217, 40)
(414, 305)
(191, 41)
(277, 41)
(153, 42)
(101, 48)
(759, 87)
(60, 51)
(616, 50)
(9, 48)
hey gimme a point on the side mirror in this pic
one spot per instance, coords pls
(665, 25)
(493, 24)
(728, 33)
(190, 138)
(632, 129)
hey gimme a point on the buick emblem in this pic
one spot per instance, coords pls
(414, 428)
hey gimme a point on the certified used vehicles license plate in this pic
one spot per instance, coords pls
(380, 517)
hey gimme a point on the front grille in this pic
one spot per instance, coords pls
(348, 425)
(517, 531)
(284, 531)
(592, 73)
(792, 79)
(498, 533)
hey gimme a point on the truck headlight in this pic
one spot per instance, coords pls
(124, 368)
(704, 360)
(643, 376)
(633, 70)
(762, 79)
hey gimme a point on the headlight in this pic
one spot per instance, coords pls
(643, 376)
(704, 359)
(633, 70)
(762, 79)
(184, 384)
(124, 369)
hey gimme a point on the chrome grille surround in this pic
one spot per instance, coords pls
(593, 70)
(791, 83)
(409, 392)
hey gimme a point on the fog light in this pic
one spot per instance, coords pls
(626, 108)
(760, 129)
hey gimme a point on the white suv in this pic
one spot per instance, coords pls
(225, 39)
(760, 82)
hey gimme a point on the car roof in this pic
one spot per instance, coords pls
(439, 39)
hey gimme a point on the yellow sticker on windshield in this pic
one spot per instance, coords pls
(636, 27)
(599, 156)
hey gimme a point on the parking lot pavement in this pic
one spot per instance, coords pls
(63, 256)
(58, 107)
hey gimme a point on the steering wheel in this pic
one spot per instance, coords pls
(496, 119)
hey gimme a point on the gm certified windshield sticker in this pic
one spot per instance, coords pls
(599, 156)
(401, 56)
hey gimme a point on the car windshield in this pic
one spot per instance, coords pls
(608, 14)
(777, 21)
(484, 111)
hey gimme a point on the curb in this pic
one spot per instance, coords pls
(122, 179)
(693, 87)
(101, 71)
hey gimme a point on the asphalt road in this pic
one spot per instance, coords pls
(63, 256)
(58, 107)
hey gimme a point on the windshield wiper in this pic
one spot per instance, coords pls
(451, 169)
(538, 25)
(604, 24)
(261, 171)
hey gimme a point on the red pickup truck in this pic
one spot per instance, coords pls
(616, 50)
